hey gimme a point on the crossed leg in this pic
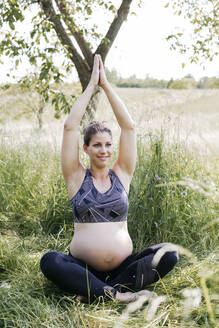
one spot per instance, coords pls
(135, 273)
(71, 275)
(139, 271)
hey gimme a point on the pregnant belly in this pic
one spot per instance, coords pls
(101, 245)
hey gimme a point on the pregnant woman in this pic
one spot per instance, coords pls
(100, 261)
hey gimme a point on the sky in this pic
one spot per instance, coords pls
(141, 49)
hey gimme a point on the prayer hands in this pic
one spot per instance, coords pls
(94, 79)
(98, 76)
(102, 79)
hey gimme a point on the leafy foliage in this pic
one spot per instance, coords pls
(203, 18)
(52, 25)
(47, 93)
(47, 43)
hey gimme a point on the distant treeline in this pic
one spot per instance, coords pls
(187, 82)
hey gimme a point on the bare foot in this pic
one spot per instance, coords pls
(82, 299)
(131, 297)
(146, 292)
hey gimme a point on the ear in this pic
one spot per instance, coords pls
(85, 148)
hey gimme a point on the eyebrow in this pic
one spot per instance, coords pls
(99, 142)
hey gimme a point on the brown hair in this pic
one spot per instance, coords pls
(94, 128)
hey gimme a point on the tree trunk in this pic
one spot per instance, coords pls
(39, 113)
(92, 107)
(40, 117)
(83, 65)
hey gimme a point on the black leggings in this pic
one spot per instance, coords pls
(134, 273)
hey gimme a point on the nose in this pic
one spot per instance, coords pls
(103, 149)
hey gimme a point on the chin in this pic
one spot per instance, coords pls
(102, 165)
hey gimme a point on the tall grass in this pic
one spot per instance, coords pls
(163, 210)
(34, 199)
(35, 216)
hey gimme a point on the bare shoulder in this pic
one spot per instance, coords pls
(75, 181)
(123, 176)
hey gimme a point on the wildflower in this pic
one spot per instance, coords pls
(153, 306)
(157, 178)
(192, 299)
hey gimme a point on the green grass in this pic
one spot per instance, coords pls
(173, 197)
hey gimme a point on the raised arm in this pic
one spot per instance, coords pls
(126, 161)
(70, 143)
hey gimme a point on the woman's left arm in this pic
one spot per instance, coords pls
(127, 147)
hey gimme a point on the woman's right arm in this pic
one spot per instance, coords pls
(70, 143)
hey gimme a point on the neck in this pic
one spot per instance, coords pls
(99, 173)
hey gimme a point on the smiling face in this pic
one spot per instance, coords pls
(99, 149)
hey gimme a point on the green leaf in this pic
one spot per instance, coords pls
(89, 11)
(57, 116)
(5, 87)
(32, 60)
(112, 8)
(32, 33)
(11, 24)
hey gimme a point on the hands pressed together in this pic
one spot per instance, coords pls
(98, 76)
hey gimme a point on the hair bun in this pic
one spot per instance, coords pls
(93, 122)
(93, 128)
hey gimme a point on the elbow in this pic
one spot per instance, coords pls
(69, 126)
(131, 126)
(127, 124)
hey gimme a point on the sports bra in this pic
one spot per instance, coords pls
(90, 205)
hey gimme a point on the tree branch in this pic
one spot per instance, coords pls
(77, 34)
(110, 36)
(82, 67)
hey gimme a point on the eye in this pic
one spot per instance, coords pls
(96, 145)
(108, 145)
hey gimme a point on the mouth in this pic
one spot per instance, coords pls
(103, 158)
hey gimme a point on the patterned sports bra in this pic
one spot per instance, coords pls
(90, 205)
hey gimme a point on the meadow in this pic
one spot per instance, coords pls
(173, 197)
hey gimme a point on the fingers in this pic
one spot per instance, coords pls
(98, 58)
(101, 66)
(98, 73)
(96, 62)
(95, 72)
(102, 75)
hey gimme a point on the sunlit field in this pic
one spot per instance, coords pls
(173, 197)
